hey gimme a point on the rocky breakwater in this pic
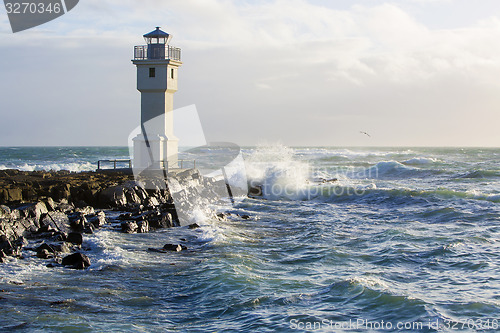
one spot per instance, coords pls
(48, 213)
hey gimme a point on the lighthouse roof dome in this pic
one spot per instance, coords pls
(157, 34)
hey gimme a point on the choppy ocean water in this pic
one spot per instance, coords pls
(406, 239)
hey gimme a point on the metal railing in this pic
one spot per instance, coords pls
(115, 162)
(141, 52)
(179, 164)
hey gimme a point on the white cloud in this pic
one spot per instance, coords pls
(262, 62)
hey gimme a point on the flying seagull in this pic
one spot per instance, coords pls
(365, 133)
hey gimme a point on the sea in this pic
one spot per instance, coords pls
(341, 239)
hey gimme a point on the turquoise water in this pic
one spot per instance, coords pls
(405, 236)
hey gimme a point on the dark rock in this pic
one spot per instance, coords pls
(57, 220)
(44, 254)
(86, 210)
(245, 217)
(4, 212)
(129, 227)
(113, 197)
(45, 251)
(142, 227)
(13, 194)
(174, 247)
(33, 210)
(193, 226)
(76, 261)
(125, 216)
(65, 207)
(61, 247)
(75, 238)
(50, 204)
(163, 221)
(77, 221)
(81, 204)
(97, 220)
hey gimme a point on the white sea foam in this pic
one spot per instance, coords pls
(74, 167)
(421, 160)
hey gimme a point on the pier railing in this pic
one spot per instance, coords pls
(114, 162)
(179, 164)
(141, 52)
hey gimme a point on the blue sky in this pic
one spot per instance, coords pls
(411, 72)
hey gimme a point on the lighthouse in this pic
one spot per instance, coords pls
(157, 63)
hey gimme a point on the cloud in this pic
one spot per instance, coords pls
(276, 68)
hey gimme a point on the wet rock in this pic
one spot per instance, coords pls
(76, 261)
(75, 238)
(125, 216)
(143, 227)
(221, 216)
(65, 207)
(44, 254)
(77, 221)
(113, 197)
(163, 221)
(174, 247)
(193, 226)
(61, 247)
(129, 227)
(45, 251)
(85, 210)
(57, 220)
(33, 210)
(50, 204)
(97, 220)
(245, 217)
(4, 212)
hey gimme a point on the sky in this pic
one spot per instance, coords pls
(297, 72)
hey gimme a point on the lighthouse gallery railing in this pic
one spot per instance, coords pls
(168, 52)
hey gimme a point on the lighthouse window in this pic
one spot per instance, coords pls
(172, 73)
(152, 72)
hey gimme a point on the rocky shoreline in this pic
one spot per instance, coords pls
(52, 211)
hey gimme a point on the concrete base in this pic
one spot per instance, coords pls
(156, 156)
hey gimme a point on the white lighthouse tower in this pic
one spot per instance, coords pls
(157, 64)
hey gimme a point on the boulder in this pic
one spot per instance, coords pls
(193, 226)
(77, 221)
(13, 194)
(143, 227)
(57, 221)
(33, 210)
(113, 197)
(50, 204)
(163, 221)
(4, 212)
(45, 251)
(76, 261)
(129, 227)
(174, 247)
(75, 238)
(97, 220)
(86, 210)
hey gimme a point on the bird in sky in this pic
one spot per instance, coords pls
(365, 134)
